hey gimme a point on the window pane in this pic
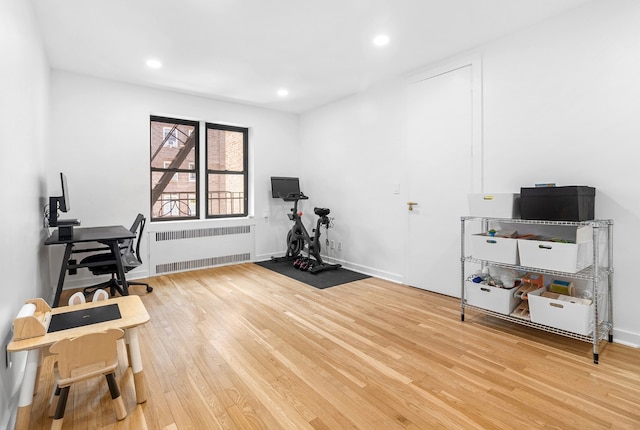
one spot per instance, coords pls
(172, 145)
(174, 168)
(225, 194)
(225, 150)
(178, 198)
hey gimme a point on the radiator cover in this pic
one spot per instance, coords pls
(178, 249)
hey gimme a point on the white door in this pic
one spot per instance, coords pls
(440, 175)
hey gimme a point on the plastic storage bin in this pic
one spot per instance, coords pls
(495, 299)
(498, 249)
(569, 314)
(501, 205)
(558, 256)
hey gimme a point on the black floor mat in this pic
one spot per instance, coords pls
(321, 280)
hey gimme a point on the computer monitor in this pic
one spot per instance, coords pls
(64, 204)
(59, 202)
(281, 187)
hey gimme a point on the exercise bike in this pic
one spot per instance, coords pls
(298, 238)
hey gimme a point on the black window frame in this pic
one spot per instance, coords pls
(196, 170)
(244, 171)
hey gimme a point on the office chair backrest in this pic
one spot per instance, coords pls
(130, 256)
(138, 227)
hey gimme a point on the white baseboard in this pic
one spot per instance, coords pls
(79, 281)
(626, 338)
(366, 270)
(265, 257)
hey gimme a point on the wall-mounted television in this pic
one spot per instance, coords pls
(284, 187)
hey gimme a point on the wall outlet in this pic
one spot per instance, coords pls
(333, 244)
(339, 246)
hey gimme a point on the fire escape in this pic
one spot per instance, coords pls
(188, 144)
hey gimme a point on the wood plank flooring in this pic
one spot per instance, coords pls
(242, 347)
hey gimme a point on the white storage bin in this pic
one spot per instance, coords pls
(498, 249)
(501, 205)
(495, 299)
(561, 257)
(564, 315)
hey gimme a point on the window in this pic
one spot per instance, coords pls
(170, 137)
(227, 170)
(175, 179)
(174, 161)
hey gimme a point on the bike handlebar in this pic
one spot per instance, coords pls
(292, 197)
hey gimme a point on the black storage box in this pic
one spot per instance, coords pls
(573, 203)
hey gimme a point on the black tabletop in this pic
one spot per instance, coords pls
(92, 234)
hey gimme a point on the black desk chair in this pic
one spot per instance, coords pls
(130, 255)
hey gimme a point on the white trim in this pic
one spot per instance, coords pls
(627, 338)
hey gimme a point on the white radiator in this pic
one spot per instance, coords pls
(174, 248)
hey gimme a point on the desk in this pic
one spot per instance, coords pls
(133, 314)
(110, 236)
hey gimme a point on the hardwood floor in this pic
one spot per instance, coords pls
(241, 347)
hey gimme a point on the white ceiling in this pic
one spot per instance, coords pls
(245, 50)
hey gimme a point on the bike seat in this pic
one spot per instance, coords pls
(321, 211)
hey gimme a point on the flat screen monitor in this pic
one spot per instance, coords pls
(64, 204)
(281, 187)
(59, 203)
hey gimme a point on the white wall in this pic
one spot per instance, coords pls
(24, 90)
(100, 130)
(353, 153)
(561, 101)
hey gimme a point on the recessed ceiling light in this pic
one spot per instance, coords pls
(283, 93)
(154, 64)
(381, 40)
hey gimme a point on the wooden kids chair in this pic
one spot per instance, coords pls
(86, 356)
